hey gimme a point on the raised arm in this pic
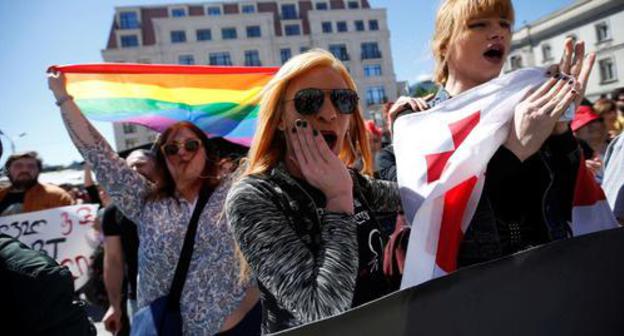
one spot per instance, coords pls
(126, 187)
(309, 285)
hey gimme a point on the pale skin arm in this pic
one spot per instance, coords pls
(88, 178)
(113, 279)
(80, 130)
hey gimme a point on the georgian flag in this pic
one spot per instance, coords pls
(441, 159)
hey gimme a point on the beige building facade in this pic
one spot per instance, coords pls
(600, 23)
(255, 33)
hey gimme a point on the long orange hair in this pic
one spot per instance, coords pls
(268, 147)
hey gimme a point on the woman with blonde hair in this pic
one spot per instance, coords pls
(607, 109)
(303, 220)
(529, 185)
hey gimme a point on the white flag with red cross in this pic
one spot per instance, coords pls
(441, 159)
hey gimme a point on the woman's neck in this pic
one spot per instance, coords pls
(189, 191)
(456, 85)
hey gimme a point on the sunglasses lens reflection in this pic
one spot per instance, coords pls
(309, 101)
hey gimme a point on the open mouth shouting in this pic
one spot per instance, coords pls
(495, 53)
(330, 138)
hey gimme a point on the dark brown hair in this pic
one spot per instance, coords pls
(29, 155)
(166, 187)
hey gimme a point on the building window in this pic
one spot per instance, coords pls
(370, 50)
(303, 49)
(221, 58)
(341, 26)
(204, 35)
(340, 51)
(228, 33)
(285, 54)
(292, 30)
(546, 53)
(373, 25)
(248, 9)
(602, 32)
(178, 12)
(353, 4)
(516, 62)
(129, 128)
(252, 58)
(213, 11)
(253, 31)
(372, 70)
(327, 27)
(607, 70)
(128, 20)
(178, 36)
(289, 12)
(186, 59)
(376, 95)
(359, 25)
(131, 143)
(144, 61)
(128, 41)
(322, 6)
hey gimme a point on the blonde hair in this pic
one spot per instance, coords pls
(268, 146)
(451, 21)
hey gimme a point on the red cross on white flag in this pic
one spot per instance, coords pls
(441, 158)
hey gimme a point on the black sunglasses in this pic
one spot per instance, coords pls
(309, 101)
(173, 148)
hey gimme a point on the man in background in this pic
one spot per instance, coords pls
(26, 193)
(121, 245)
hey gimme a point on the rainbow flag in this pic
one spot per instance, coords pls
(223, 101)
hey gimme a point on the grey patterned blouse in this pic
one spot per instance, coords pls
(211, 291)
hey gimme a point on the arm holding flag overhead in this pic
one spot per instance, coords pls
(127, 187)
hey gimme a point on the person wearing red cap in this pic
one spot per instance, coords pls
(590, 128)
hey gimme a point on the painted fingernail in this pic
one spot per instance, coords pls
(294, 129)
(574, 92)
(304, 124)
(298, 123)
(557, 76)
(571, 82)
(315, 132)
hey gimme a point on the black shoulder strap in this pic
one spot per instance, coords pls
(179, 277)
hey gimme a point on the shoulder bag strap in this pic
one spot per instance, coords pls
(179, 277)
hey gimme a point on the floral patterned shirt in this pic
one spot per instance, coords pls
(211, 291)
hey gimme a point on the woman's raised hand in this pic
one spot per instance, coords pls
(537, 116)
(321, 167)
(57, 84)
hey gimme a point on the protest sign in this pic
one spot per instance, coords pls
(65, 234)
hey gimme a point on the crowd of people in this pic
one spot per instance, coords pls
(308, 223)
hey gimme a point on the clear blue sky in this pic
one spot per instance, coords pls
(38, 33)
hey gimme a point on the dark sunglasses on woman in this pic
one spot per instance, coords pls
(309, 101)
(173, 148)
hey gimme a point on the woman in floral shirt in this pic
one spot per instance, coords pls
(213, 299)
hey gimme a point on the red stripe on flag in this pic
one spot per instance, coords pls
(461, 128)
(451, 235)
(586, 190)
(130, 68)
(435, 165)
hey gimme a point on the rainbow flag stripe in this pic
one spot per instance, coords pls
(223, 101)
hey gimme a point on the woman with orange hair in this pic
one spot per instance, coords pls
(304, 220)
